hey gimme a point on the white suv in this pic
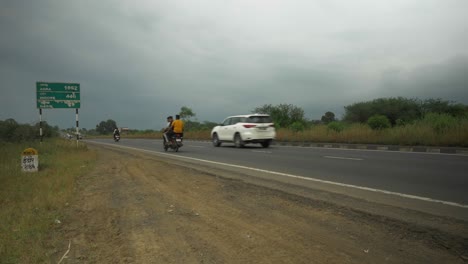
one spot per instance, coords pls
(243, 129)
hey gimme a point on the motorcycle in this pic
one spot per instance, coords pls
(175, 142)
(116, 138)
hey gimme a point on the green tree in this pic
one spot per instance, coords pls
(7, 129)
(106, 127)
(284, 115)
(25, 132)
(440, 106)
(186, 113)
(12, 131)
(394, 109)
(328, 117)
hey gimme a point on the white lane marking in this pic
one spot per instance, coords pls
(262, 151)
(378, 150)
(426, 199)
(344, 158)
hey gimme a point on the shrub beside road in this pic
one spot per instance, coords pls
(434, 130)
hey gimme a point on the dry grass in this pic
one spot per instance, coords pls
(31, 202)
(410, 135)
(417, 134)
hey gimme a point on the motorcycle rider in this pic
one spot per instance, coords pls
(167, 132)
(116, 132)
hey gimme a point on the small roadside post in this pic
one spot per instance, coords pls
(30, 160)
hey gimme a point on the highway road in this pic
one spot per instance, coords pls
(442, 177)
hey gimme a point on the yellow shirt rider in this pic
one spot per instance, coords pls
(178, 125)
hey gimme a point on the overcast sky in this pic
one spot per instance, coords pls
(139, 61)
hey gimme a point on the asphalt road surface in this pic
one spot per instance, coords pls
(442, 177)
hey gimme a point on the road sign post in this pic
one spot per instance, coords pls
(53, 95)
(40, 125)
(58, 95)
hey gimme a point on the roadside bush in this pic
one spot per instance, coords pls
(378, 122)
(401, 122)
(12, 131)
(336, 126)
(440, 122)
(297, 126)
(8, 129)
(23, 133)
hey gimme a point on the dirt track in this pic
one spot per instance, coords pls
(139, 209)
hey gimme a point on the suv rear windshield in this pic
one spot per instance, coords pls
(259, 119)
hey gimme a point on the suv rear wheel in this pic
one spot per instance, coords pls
(216, 141)
(266, 144)
(238, 141)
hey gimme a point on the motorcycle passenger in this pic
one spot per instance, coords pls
(116, 132)
(178, 126)
(167, 132)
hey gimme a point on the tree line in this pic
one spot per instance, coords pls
(394, 110)
(401, 110)
(378, 113)
(12, 131)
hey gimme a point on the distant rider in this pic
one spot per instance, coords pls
(116, 132)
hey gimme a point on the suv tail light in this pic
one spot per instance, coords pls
(248, 126)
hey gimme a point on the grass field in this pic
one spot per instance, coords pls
(416, 134)
(31, 202)
(409, 135)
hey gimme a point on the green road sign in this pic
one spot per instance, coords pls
(44, 96)
(58, 95)
(58, 104)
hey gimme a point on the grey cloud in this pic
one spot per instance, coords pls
(138, 61)
(447, 80)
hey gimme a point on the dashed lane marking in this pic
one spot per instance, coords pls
(262, 151)
(343, 158)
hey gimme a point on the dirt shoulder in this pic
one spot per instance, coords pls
(135, 208)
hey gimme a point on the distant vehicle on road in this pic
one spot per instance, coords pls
(73, 135)
(245, 129)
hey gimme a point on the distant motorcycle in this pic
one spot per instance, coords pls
(116, 138)
(175, 142)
